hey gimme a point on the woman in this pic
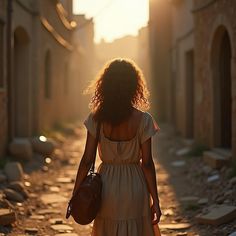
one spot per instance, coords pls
(127, 168)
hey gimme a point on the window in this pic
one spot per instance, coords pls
(47, 75)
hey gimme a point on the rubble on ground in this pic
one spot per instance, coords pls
(43, 145)
(217, 215)
(21, 148)
(13, 171)
(188, 189)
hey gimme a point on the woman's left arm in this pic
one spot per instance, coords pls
(86, 161)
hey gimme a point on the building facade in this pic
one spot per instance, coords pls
(160, 45)
(3, 79)
(106, 51)
(21, 81)
(171, 50)
(82, 62)
(193, 51)
(37, 89)
(55, 44)
(143, 57)
(182, 67)
(215, 73)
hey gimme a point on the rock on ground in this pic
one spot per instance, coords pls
(3, 178)
(14, 171)
(7, 216)
(217, 215)
(21, 148)
(44, 147)
(12, 195)
(19, 187)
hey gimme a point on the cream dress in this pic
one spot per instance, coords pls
(125, 208)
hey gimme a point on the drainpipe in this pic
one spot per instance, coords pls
(9, 69)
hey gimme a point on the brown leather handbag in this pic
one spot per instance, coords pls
(86, 201)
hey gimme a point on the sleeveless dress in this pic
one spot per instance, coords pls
(125, 208)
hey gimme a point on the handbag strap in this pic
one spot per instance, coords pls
(97, 140)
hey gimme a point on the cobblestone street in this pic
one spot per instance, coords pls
(50, 188)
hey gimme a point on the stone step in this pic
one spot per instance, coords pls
(218, 214)
(215, 159)
(223, 151)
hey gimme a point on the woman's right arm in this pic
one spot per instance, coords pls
(148, 168)
(86, 161)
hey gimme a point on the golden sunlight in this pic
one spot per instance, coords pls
(114, 18)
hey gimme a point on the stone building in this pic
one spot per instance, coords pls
(3, 70)
(83, 61)
(143, 58)
(182, 67)
(41, 39)
(37, 90)
(215, 73)
(192, 44)
(106, 51)
(160, 45)
(171, 44)
(55, 44)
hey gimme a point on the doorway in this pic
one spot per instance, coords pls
(222, 89)
(225, 91)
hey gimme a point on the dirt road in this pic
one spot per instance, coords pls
(178, 177)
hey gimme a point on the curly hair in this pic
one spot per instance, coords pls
(119, 87)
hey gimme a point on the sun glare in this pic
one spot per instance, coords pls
(114, 18)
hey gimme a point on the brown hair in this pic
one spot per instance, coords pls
(119, 86)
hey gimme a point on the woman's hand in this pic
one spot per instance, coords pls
(156, 213)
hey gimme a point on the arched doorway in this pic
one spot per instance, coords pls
(222, 90)
(21, 84)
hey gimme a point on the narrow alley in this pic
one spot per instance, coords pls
(174, 59)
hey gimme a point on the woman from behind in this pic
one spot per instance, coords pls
(130, 203)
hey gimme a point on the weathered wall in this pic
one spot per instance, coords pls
(38, 28)
(3, 120)
(208, 18)
(3, 100)
(182, 42)
(160, 45)
(82, 63)
(171, 37)
(23, 69)
(143, 57)
(57, 108)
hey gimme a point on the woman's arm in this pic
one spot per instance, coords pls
(148, 168)
(86, 161)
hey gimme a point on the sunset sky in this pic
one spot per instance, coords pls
(114, 18)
